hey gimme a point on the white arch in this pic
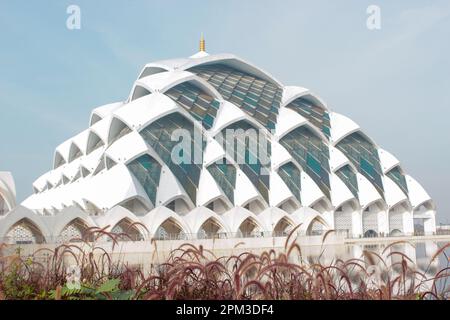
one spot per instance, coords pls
(61, 155)
(58, 160)
(139, 91)
(155, 218)
(75, 152)
(387, 160)
(307, 216)
(93, 142)
(229, 114)
(292, 93)
(209, 190)
(234, 62)
(195, 81)
(341, 127)
(288, 120)
(117, 214)
(7, 189)
(141, 205)
(273, 215)
(237, 215)
(117, 129)
(20, 213)
(197, 217)
(69, 215)
(151, 70)
(219, 205)
(103, 111)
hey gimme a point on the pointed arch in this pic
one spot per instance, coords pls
(211, 228)
(58, 160)
(151, 70)
(158, 216)
(84, 171)
(205, 223)
(280, 223)
(255, 205)
(170, 229)
(316, 226)
(74, 152)
(237, 215)
(139, 92)
(218, 205)
(137, 205)
(94, 142)
(20, 213)
(94, 119)
(72, 223)
(109, 162)
(250, 228)
(322, 205)
(117, 129)
(283, 227)
(289, 205)
(24, 231)
(179, 204)
(75, 230)
(129, 228)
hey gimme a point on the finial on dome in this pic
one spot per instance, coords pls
(202, 43)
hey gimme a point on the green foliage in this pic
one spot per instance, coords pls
(191, 272)
(14, 286)
(107, 290)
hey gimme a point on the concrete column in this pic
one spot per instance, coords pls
(429, 224)
(357, 223)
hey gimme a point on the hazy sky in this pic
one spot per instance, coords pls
(394, 82)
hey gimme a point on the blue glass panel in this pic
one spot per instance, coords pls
(225, 176)
(398, 177)
(291, 176)
(158, 136)
(348, 176)
(364, 156)
(251, 166)
(317, 115)
(147, 171)
(257, 97)
(311, 153)
(198, 103)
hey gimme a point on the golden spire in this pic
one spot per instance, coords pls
(202, 43)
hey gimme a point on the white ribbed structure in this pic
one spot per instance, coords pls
(324, 172)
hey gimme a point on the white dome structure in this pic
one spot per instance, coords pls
(319, 167)
(7, 193)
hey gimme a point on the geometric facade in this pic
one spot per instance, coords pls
(318, 167)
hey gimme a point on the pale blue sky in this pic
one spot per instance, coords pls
(394, 82)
